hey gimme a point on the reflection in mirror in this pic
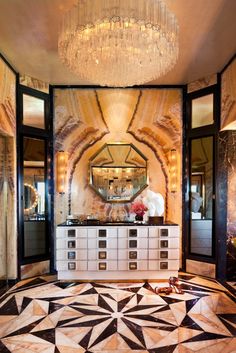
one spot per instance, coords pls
(33, 111)
(30, 197)
(34, 197)
(201, 203)
(118, 172)
(202, 111)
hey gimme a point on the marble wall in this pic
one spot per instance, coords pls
(34, 83)
(227, 145)
(228, 97)
(8, 170)
(227, 179)
(85, 119)
(202, 83)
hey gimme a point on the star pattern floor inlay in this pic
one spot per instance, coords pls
(69, 317)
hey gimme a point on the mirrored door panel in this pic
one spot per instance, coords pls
(34, 196)
(201, 196)
(33, 111)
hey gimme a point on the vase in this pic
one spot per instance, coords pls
(138, 218)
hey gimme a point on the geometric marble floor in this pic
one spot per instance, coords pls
(44, 316)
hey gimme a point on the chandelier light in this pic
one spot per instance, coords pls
(119, 43)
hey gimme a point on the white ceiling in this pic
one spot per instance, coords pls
(29, 29)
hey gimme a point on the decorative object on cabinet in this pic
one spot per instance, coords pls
(139, 209)
(118, 172)
(104, 42)
(61, 171)
(156, 206)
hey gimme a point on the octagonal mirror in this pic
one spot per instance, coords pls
(118, 172)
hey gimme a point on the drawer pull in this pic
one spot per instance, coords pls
(133, 266)
(102, 244)
(164, 265)
(102, 233)
(102, 255)
(133, 255)
(71, 265)
(164, 254)
(133, 243)
(133, 232)
(164, 243)
(71, 255)
(102, 266)
(71, 233)
(164, 232)
(71, 244)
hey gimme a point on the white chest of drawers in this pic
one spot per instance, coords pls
(117, 252)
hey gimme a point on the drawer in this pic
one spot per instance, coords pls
(102, 254)
(102, 243)
(139, 243)
(153, 232)
(153, 254)
(153, 243)
(133, 232)
(153, 265)
(107, 232)
(79, 243)
(172, 243)
(169, 265)
(132, 265)
(72, 265)
(102, 232)
(172, 254)
(132, 254)
(71, 255)
(70, 232)
(133, 243)
(102, 265)
(170, 232)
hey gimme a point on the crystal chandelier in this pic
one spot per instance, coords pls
(119, 43)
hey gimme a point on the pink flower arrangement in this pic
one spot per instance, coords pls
(139, 208)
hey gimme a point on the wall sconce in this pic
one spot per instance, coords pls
(173, 170)
(61, 171)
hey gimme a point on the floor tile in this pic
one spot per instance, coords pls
(50, 316)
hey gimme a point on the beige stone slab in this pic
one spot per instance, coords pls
(200, 268)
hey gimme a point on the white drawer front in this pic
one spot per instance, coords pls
(71, 255)
(140, 243)
(133, 232)
(169, 265)
(72, 265)
(153, 243)
(153, 265)
(172, 254)
(102, 243)
(133, 265)
(168, 232)
(122, 243)
(92, 232)
(134, 254)
(172, 243)
(153, 254)
(71, 232)
(153, 232)
(107, 232)
(102, 254)
(102, 265)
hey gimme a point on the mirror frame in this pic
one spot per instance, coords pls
(90, 172)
